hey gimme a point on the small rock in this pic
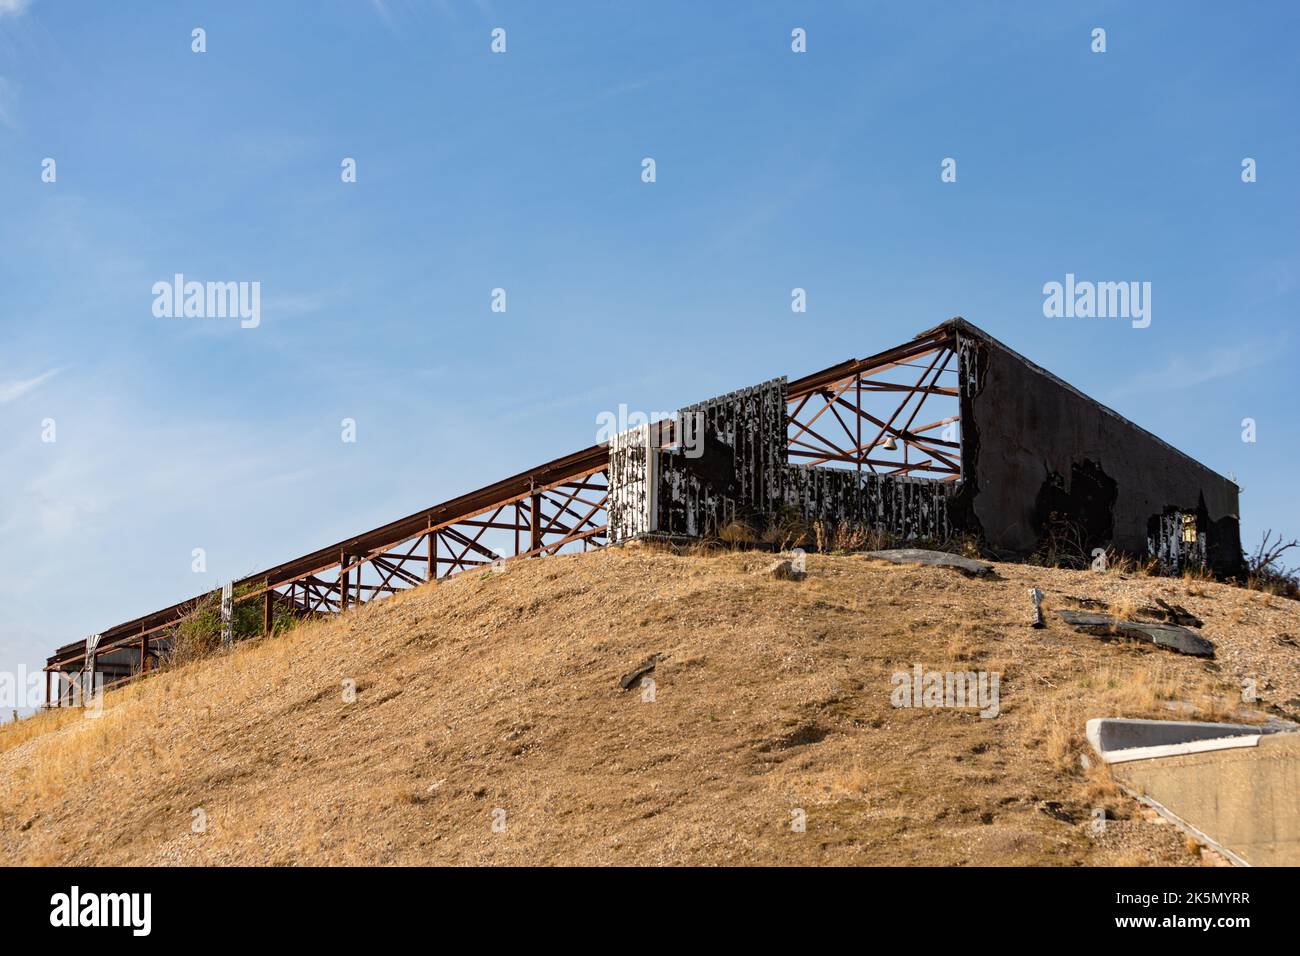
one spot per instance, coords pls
(632, 677)
(784, 570)
(1057, 811)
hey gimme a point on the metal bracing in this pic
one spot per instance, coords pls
(545, 515)
(835, 416)
(864, 414)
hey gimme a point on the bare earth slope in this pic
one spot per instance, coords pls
(500, 692)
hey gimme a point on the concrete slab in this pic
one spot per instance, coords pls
(1119, 740)
(935, 559)
(1238, 793)
(1169, 636)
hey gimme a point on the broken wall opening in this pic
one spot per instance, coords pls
(900, 416)
(872, 444)
(1177, 541)
(1075, 515)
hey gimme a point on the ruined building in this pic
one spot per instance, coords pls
(949, 435)
(1025, 458)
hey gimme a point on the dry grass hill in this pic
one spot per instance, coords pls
(495, 692)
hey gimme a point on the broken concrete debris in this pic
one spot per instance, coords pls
(1176, 614)
(935, 559)
(1162, 610)
(632, 677)
(1036, 596)
(785, 570)
(1169, 636)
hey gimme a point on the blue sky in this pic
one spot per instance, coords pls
(522, 171)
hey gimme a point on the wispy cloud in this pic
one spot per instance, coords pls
(412, 8)
(305, 303)
(6, 100)
(12, 8)
(199, 473)
(10, 391)
(1183, 371)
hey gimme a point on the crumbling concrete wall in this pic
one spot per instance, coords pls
(737, 467)
(738, 470)
(1033, 446)
(1037, 455)
(902, 506)
(629, 505)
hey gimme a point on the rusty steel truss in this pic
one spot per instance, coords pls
(861, 414)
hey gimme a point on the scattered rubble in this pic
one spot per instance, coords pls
(1162, 610)
(935, 559)
(632, 677)
(785, 570)
(1175, 614)
(1169, 636)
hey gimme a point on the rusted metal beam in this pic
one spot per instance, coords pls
(880, 362)
(573, 489)
(534, 521)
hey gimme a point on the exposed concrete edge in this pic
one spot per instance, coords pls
(1169, 738)
(1177, 750)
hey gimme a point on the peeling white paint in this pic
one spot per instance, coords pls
(1178, 543)
(744, 472)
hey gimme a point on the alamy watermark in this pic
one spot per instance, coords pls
(133, 911)
(960, 689)
(688, 427)
(1098, 300)
(24, 689)
(179, 299)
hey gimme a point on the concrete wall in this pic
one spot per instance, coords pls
(629, 505)
(1033, 445)
(738, 470)
(1247, 800)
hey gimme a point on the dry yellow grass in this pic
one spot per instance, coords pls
(494, 698)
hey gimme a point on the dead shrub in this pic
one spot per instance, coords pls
(198, 635)
(1265, 571)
